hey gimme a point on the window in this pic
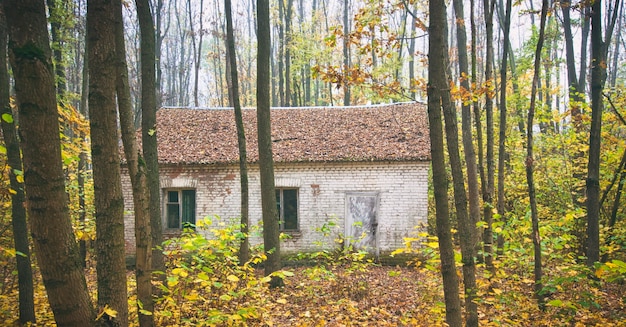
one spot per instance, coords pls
(180, 209)
(287, 205)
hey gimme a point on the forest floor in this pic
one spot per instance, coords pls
(373, 295)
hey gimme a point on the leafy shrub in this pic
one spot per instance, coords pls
(205, 283)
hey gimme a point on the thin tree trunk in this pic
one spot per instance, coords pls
(576, 95)
(288, 53)
(44, 181)
(271, 233)
(346, 54)
(502, 134)
(536, 237)
(148, 127)
(56, 31)
(585, 16)
(244, 251)
(109, 204)
(137, 173)
(437, 52)
(598, 75)
(82, 157)
(469, 268)
(598, 78)
(489, 6)
(280, 55)
(18, 210)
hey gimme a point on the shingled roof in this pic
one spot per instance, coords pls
(397, 132)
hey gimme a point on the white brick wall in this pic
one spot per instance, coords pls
(401, 186)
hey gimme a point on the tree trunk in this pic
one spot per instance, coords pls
(598, 79)
(576, 95)
(148, 128)
(56, 31)
(502, 134)
(244, 250)
(160, 36)
(280, 55)
(598, 76)
(469, 274)
(271, 233)
(44, 182)
(288, 92)
(137, 173)
(109, 204)
(489, 6)
(82, 157)
(438, 83)
(346, 54)
(18, 210)
(536, 237)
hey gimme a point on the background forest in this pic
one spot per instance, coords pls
(527, 113)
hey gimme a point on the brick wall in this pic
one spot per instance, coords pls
(401, 188)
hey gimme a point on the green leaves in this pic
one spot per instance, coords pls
(8, 118)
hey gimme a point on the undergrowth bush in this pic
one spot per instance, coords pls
(205, 283)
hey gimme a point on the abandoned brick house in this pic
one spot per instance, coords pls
(363, 168)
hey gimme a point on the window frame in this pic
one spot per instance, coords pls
(281, 208)
(181, 208)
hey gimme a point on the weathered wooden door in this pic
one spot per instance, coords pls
(361, 220)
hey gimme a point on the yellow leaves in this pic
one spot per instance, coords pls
(282, 301)
(180, 272)
(106, 311)
(233, 278)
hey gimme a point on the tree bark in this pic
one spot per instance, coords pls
(82, 157)
(438, 83)
(44, 182)
(137, 173)
(576, 95)
(536, 237)
(18, 210)
(598, 76)
(599, 44)
(109, 204)
(489, 6)
(149, 129)
(271, 233)
(244, 248)
(346, 54)
(56, 31)
(469, 269)
(503, 125)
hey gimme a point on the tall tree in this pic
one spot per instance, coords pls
(438, 83)
(271, 240)
(576, 95)
(197, 49)
(503, 125)
(109, 204)
(469, 274)
(148, 127)
(599, 45)
(44, 180)
(233, 80)
(18, 210)
(346, 53)
(488, 7)
(55, 9)
(536, 237)
(137, 172)
(82, 157)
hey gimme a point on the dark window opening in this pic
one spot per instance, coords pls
(180, 209)
(287, 205)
